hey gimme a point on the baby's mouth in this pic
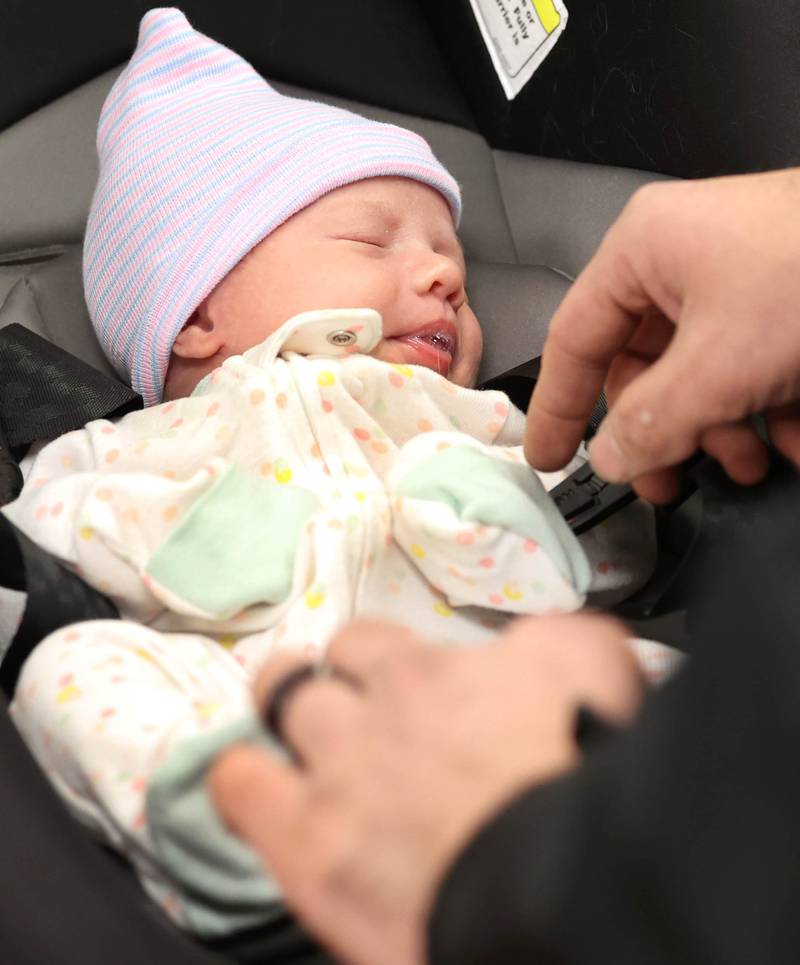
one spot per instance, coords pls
(433, 347)
(442, 341)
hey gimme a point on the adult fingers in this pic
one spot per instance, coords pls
(241, 780)
(612, 299)
(646, 345)
(275, 670)
(588, 653)
(321, 718)
(783, 425)
(365, 644)
(659, 418)
(736, 447)
(272, 806)
(610, 677)
(739, 450)
(574, 366)
(661, 487)
(317, 716)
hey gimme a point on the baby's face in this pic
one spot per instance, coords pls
(384, 243)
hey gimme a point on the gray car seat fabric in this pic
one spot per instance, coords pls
(48, 299)
(529, 223)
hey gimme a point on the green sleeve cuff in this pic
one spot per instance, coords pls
(222, 882)
(482, 489)
(236, 546)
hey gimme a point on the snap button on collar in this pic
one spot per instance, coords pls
(330, 331)
(342, 337)
(337, 331)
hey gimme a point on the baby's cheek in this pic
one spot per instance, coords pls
(470, 348)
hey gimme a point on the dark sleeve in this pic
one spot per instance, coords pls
(678, 842)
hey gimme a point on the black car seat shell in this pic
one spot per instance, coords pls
(632, 92)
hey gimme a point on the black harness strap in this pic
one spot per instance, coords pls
(56, 597)
(44, 392)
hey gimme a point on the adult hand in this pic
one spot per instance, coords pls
(689, 315)
(399, 771)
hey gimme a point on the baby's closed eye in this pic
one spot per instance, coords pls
(375, 241)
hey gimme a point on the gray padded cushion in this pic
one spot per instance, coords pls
(49, 301)
(520, 213)
(49, 167)
(9, 276)
(514, 304)
(562, 209)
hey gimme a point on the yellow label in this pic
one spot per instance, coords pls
(549, 16)
(519, 35)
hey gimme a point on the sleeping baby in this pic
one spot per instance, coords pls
(282, 282)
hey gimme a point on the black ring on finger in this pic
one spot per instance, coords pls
(276, 702)
(275, 706)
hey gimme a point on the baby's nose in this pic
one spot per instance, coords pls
(441, 275)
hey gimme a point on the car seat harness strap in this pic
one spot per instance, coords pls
(44, 392)
(55, 597)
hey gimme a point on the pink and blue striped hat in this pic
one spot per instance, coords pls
(200, 159)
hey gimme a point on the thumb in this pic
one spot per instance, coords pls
(659, 417)
(262, 800)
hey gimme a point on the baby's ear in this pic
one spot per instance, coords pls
(200, 337)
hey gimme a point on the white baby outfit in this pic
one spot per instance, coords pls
(285, 496)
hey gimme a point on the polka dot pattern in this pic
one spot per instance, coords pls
(340, 429)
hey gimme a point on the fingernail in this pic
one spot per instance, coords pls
(607, 459)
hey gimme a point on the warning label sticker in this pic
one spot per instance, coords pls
(519, 34)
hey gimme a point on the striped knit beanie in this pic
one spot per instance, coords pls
(200, 159)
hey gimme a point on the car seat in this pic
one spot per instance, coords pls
(632, 92)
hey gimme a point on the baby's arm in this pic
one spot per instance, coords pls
(96, 503)
(480, 526)
(620, 552)
(155, 515)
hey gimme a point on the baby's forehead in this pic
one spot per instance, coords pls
(392, 202)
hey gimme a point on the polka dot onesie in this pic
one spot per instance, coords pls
(288, 494)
